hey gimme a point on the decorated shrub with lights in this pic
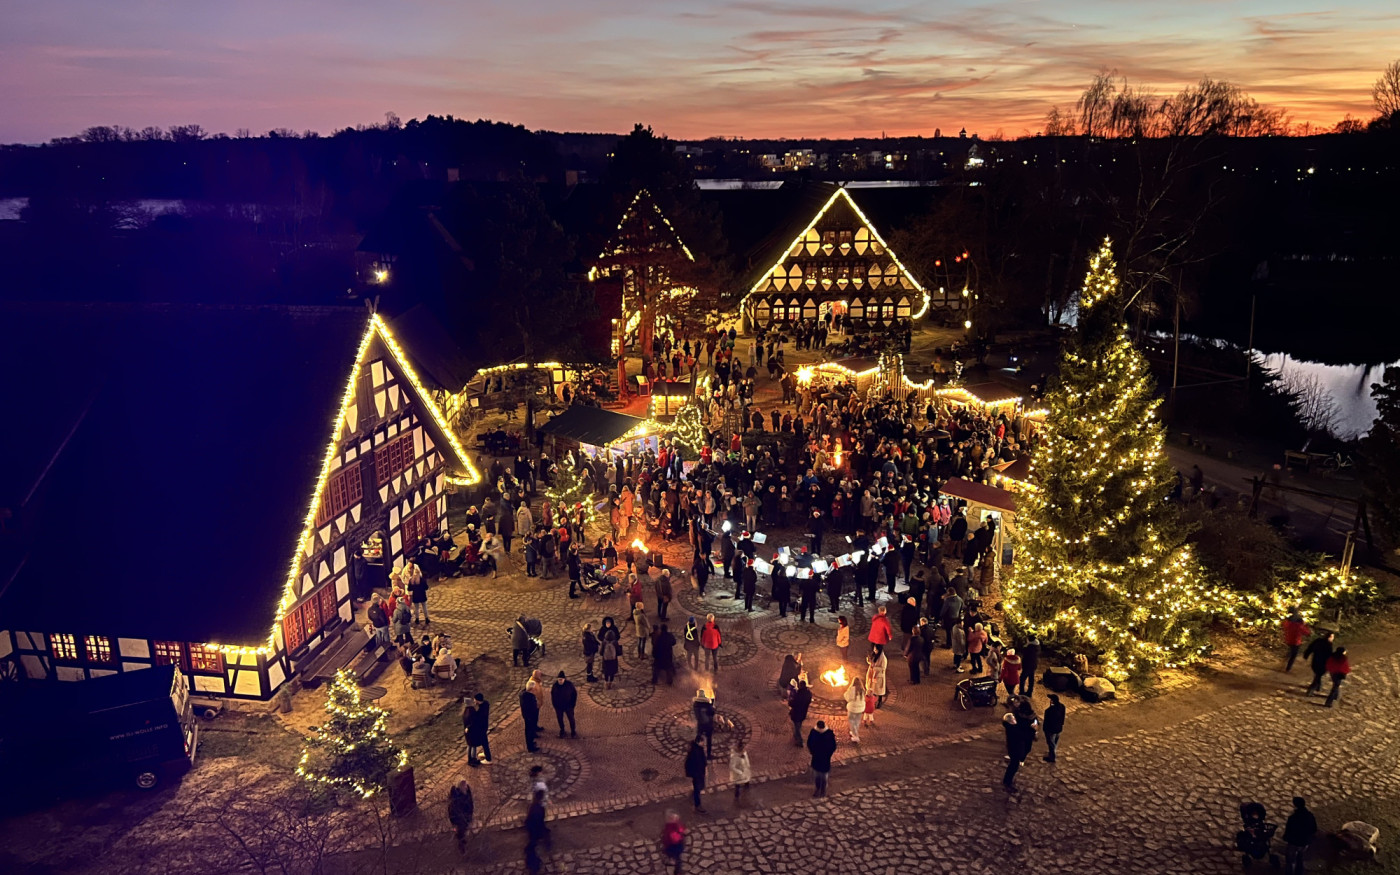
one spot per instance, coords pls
(1103, 567)
(352, 749)
(569, 490)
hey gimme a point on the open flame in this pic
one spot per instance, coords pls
(836, 677)
(640, 545)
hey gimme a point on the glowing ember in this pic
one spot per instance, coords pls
(836, 677)
(640, 546)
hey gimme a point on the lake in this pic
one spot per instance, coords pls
(1349, 387)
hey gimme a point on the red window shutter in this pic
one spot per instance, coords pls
(381, 464)
(292, 631)
(328, 604)
(354, 484)
(311, 616)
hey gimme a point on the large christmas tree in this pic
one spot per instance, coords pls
(1102, 568)
(570, 489)
(352, 749)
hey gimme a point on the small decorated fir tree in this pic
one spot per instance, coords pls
(1103, 568)
(688, 431)
(570, 489)
(352, 749)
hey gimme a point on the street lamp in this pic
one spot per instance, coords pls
(381, 275)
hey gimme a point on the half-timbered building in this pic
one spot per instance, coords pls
(193, 485)
(836, 263)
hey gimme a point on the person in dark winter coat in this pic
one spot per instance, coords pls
(476, 723)
(950, 614)
(460, 810)
(1020, 735)
(704, 709)
(914, 655)
(530, 714)
(564, 696)
(808, 608)
(798, 704)
(590, 650)
(663, 655)
(536, 832)
(1318, 652)
(781, 589)
(1298, 834)
(697, 762)
(1053, 726)
(750, 581)
(1030, 663)
(821, 744)
(909, 617)
(700, 568)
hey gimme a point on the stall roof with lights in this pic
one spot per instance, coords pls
(168, 500)
(591, 425)
(980, 493)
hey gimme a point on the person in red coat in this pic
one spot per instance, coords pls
(1338, 666)
(710, 640)
(1295, 631)
(1010, 673)
(881, 633)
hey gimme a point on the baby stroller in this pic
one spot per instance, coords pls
(981, 692)
(596, 581)
(1255, 841)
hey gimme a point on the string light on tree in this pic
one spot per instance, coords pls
(689, 430)
(1104, 568)
(570, 490)
(352, 749)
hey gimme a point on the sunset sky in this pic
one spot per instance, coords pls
(690, 69)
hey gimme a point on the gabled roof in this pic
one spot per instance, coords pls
(434, 352)
(780, 246)
(642, 208)
(171, 509)
(591, 425)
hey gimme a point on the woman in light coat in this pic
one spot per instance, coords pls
(740, 772)
(495, 550)
(878, 664)
(855, 707)
(643, 627)
(843, 637)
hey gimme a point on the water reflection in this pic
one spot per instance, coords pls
(1349, 387)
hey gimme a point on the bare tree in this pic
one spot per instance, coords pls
(1386, 92)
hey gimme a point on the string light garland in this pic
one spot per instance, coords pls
(352, 749)
(689, 428)
(840, 194)
(376, 328)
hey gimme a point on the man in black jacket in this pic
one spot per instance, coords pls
(564, 696)
(663, 655)
(798, 704)
(696, 763)
(1318, 652)
(821, 743)
(1030, 662)
(530, 714)
(780, 588)
(1298, 834)
(1053, 725)
(810, 586)
(750, 581)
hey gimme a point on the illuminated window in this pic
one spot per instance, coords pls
(169, 653)
(98, 648)
(63, 647)
(847, 236)
(207, 659)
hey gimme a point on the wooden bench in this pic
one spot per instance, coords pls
(1293, 459)
(344, 651)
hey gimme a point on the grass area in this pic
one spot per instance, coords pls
(257, 737)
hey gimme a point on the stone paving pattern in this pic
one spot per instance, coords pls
(1151, 801)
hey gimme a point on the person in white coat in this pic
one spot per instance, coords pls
(878, 664)
(855, 707)
(739, 770)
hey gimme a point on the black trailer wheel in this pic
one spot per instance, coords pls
(147, 780)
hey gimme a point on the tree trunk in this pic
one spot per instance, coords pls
(646, 334)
